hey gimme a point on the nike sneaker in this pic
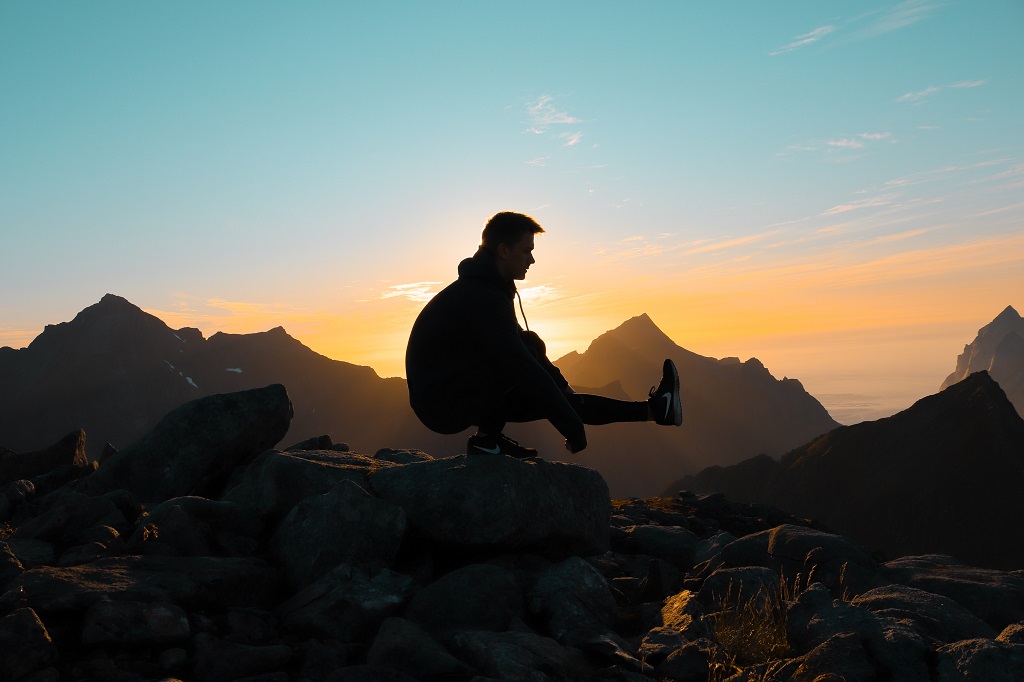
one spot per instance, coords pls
(664, 400)
(498, 445)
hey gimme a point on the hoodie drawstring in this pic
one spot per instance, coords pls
(521, 312)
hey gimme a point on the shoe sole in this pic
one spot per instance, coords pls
(677, 406)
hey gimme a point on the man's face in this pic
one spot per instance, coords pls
(514, 260)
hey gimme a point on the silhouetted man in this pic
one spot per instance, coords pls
(469, 363)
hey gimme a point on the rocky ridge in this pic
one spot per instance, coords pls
(202, 553)
(941, 476)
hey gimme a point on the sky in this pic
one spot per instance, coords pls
(835, 188)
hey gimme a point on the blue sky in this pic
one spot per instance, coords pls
(778, 180)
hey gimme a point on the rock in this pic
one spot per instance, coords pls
(402, 456)
(13, 495)
(935, 617)
(483, 502)
(25, 645)
(712, 547)
(658, 643)
(67, 513)
(315, 443)
(192, 526)
(474, 597)
(347, 604)
(276, 481)
(10, 565)
(521, 656)
(1012, 634)
(130, 622)
(217, 660)
(69, 450)
(200, 582)
(32, 552)
(193, 449)
(363, 531)
(369, 673)
(837, 562)
(404, 646)
(733, 587)
(688, 663)
(683, 612)
(575, 606)
(841, 657)
(980, 659)
(83, 554)
(672, 543)
(996, 597)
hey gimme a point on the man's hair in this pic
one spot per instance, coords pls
(508, 228)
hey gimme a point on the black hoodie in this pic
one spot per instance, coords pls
(467, 342)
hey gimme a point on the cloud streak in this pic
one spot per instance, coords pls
(803, 40)
(921, 96)
(418, 292)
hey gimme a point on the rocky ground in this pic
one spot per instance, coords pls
(200, 553)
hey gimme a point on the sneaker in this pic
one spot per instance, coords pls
(664, 400)
(498, 445)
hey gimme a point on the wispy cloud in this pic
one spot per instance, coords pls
(542, 293)
(921, 96)
(870, 202)
(544, 113)
(901, 16)
(842, 144)
(731, 243)
(803, 40)
(419, 292)
(571, 139)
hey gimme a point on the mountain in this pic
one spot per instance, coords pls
(943, 476)
(114, 370)
(731, 409)
(998, 349)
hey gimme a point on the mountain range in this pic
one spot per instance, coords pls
(943, 476)
(115, 370)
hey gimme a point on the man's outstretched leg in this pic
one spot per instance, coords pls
(663, 406)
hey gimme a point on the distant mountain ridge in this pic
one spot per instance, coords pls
(998, 349)
(731, 409)
(943, 476)
(115, 370)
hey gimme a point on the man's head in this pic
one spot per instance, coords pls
(509, 236)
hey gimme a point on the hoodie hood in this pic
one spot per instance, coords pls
(483, 267)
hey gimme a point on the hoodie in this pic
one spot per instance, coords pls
(466, 343)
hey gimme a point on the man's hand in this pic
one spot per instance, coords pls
(577, 446)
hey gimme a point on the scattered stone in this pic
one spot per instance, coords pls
(218, 660)
(474, 597)
(404, 646)
(402, 456)
(69, 450)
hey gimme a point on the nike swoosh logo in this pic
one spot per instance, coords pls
(489, 451)
(668, 403)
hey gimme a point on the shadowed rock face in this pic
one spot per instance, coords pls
(937, 477)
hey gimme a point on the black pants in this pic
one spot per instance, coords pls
(594, 410)
(482, 400)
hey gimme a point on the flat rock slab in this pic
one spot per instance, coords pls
(200, 581)
(485, 501)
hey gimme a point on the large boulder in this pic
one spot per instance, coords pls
(193, 449)
(404, 646)
(344, 525)
(474, 597)
(980, 659)
(69, 450)
(996, 597)
(486, 502)
(276, 481)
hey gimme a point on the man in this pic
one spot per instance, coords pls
(469, 363)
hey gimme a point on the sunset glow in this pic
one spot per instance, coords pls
(770, 181)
